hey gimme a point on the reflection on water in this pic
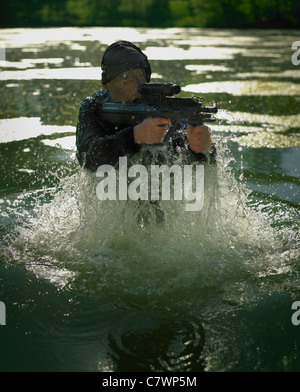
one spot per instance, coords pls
(90, 288)
(245, 88)
(260, 130)
(84, 73)
(22, 128)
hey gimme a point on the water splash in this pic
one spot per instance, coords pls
(79, 242)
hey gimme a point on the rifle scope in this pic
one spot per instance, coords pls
(159, 89)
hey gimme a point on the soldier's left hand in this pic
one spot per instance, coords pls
(199, 138)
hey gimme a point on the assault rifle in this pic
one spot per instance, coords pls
(157, 100)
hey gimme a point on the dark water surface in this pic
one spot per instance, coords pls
(87, 287)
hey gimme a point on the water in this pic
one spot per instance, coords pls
(87, 286)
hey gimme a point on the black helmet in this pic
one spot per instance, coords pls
(123, 56)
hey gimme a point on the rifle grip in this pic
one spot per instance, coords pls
(170, 132)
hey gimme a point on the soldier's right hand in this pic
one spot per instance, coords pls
(151, 130)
